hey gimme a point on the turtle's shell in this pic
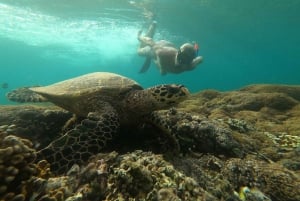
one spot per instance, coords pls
(81, 94)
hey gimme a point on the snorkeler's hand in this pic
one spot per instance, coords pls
(197, 61)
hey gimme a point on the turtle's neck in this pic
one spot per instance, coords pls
(140, 102)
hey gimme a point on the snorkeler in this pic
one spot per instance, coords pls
(165, 55)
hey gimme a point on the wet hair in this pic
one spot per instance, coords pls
(186, 54)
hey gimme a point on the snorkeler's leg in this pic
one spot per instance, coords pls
(145, 51)
(162, 72)
(147, 38)
(146, 65)
(151, 30)
(145, 41)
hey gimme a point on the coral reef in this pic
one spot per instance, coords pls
(16, 167)
(133, 176)
(262, 118)
(229, 178)
(241, 145)
(41, 124)
(196, 133)
(292, 91)
(274, 180)
(146, 176)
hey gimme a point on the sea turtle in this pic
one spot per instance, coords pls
(103, 101)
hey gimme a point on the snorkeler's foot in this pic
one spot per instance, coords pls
(151, 31)
(146, 65)
(162, 72)
(139, 33)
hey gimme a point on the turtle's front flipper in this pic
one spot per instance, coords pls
(78, 144)
(23, 95)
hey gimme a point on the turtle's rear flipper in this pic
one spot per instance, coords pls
(23, 95)
(77, 145)
(146, 65)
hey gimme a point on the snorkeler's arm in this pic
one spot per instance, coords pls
(151, 30)
(144, 40)
(194, 64)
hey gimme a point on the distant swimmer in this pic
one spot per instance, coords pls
(165, 55)
(4, 85)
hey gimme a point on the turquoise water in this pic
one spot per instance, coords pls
(242, 42)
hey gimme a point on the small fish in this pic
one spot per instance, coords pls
(4, 85)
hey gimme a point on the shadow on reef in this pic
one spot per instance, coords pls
(237, 145)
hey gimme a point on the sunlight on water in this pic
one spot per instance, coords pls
(101, 37)
(242, 42)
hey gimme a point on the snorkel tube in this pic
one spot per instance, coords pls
(196, 48)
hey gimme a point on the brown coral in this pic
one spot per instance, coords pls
(272, 179)
(16, 167)
(133, 176)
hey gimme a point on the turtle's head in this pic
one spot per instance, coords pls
(168, 95)
(164, 96)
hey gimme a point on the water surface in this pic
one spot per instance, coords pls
(242, 42)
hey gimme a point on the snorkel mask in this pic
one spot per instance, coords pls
(186, 54)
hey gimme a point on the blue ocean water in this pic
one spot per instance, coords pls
(242, 42)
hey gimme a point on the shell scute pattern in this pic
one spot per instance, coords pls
(88, 84)
(102, 102)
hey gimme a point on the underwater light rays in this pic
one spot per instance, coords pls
(80, 35)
